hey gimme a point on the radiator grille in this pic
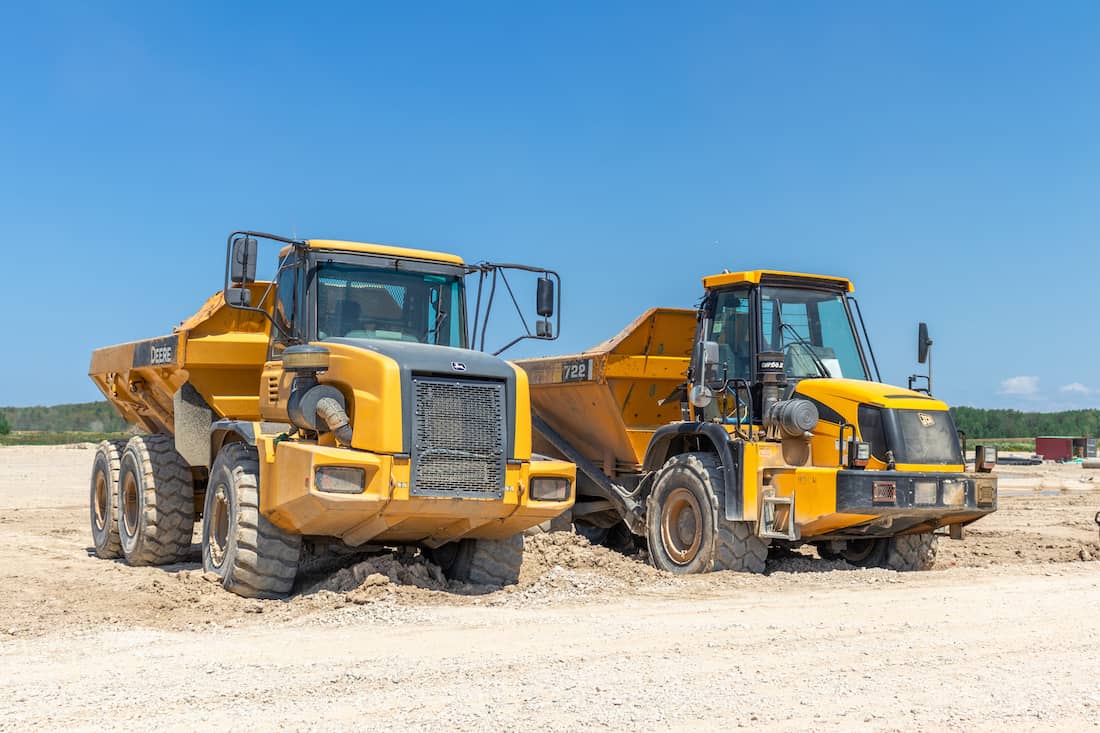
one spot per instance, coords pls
(458, 438)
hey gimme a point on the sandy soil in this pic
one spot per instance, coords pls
(1004, 633)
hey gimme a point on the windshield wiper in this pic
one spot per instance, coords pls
(434, 330)
(820, 365)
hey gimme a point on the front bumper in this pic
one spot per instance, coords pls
(903, 502)
(385, 512)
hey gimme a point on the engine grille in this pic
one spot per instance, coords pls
(458, 430)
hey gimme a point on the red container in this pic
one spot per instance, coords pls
(1054, 449)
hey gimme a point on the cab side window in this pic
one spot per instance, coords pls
(286, 309)
(731, 328)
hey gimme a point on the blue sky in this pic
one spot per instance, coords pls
(942, 155)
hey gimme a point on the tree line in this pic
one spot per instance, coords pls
(975, 422)
(93, 417)
(981, 423)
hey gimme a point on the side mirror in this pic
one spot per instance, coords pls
(242, 265)
(708, 357)
(544, 329)
(544, 297)
(710, 354)
(923, 342)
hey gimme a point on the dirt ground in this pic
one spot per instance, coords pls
(1004, 633)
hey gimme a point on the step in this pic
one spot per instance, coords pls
(777, 518)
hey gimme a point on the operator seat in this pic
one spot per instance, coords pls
(373, 313)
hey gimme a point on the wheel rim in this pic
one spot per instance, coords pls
(218, 534)
(130, 504)
(681, 526)
(858, 550)
(100, 501)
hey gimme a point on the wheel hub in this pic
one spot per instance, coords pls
(100, 501)
(681, 526)
(130, 504)
(219, 526)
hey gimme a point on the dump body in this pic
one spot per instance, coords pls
(608, 400)
(220, 351)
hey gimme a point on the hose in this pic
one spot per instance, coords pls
(332, 412)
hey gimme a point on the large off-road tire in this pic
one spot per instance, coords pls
(686, 526)
(251, 556)
(482, 562)
(155, 502)
(103, 501)
(904, 553)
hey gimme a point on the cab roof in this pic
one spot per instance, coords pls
(778, 277)
(380, 249)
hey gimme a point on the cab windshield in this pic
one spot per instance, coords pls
(813, 330)
(373, 303)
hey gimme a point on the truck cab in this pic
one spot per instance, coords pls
(811, 325)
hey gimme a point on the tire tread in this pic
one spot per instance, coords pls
(736, 546)
(168, 512)
(497, 562)
(264, 561)
(111, 450)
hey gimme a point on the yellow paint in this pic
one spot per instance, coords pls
(845, 396)
(870, 393)
(385, 512)
(371, 383)
(522, 445)
(611, 416)
(379, 249)
(752, 277)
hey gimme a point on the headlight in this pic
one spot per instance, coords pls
(340, 479)
(858, 454)
(985, 458)
(924, 492)
(954, 492)
(549, 489)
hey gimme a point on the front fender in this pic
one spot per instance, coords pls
(686, 437)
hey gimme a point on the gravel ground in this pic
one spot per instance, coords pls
(1004, 633)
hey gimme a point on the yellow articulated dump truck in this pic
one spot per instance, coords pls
(758, 420)
(339, 402)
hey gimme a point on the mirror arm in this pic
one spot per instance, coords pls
(296, 243)
(488, 309)
(481, 324)
(477, 307)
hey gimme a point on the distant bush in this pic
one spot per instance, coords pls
(95, 417)
(19, 437)
(1005, 444)
(980, 423)
(4, 427)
